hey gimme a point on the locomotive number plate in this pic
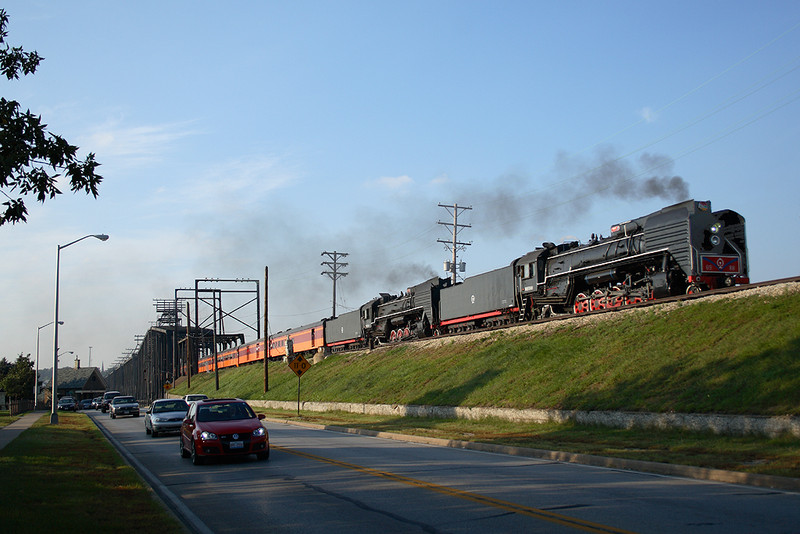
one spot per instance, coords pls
(719, 264)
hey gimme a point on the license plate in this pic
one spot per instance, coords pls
(237, 445)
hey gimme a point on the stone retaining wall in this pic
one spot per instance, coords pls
(719, 424)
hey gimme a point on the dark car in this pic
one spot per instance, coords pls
(107, 396)
(217, 428)
(66, 403)
(85, 404)
(96, 402)
(165, 415)
(123, 405)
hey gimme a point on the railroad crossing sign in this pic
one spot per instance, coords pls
(299, 365)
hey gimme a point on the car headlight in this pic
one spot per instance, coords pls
(259, 431)
(205, 436)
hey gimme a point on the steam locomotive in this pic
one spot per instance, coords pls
(684, 248)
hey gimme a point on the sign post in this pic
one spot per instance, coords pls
(299, 365)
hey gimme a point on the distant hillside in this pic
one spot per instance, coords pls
(736, 354)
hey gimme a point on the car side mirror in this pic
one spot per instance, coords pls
(261, 417)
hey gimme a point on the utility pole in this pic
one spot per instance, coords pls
(266, 329)
(454, 245)
(334, 273)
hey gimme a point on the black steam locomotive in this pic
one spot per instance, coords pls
(683, 248)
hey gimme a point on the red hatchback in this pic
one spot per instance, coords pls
(222, 427)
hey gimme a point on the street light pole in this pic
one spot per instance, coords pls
(36, 376)
(54, 384)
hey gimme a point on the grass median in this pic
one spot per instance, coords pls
(68, 478)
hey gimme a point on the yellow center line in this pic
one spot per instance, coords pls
(552, 517)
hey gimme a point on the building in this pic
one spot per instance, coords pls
(84, 383)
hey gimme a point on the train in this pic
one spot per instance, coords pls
(680, 249)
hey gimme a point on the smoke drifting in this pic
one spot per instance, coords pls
(391, 243)
(514, 203)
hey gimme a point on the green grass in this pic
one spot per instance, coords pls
(68, 478)
(735, 356)
(6, 418)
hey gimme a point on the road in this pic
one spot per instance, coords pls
(321, 481)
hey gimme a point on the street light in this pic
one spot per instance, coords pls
(54, 413)
(36, 379)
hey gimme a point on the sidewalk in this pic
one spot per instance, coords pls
(8, 433)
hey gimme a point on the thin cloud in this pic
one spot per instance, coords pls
(441, 179)
(137, 144)
(391, 182)
(648, 114)
(238, 182)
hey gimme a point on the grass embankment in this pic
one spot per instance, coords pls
(737, 355)
(68, 478)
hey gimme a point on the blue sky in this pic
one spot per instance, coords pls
(249, 134)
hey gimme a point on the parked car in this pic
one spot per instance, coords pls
(85, 404)
(107, 396)
(66, 403)
(222, 427)
(194, 397)
(165, 415)
(96, 402)
(123, 405)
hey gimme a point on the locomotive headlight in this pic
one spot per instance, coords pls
(715, 228)
(715, 240)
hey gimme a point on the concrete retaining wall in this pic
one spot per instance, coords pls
(719, 424)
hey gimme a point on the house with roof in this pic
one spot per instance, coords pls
(80, 383)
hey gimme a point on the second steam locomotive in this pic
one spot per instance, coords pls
(684, 248)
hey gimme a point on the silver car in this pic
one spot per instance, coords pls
(165, 415)
(123, 405)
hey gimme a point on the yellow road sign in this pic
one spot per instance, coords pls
(299, 365)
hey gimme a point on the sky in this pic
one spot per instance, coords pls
(242, 135)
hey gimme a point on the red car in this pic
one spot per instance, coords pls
(222, 427)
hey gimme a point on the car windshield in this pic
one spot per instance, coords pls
(225, 411)
(122, 400)
(171, 406)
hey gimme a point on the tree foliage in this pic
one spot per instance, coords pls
(17, 379)
(31, 158)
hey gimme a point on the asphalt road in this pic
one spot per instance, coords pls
(320, 481)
